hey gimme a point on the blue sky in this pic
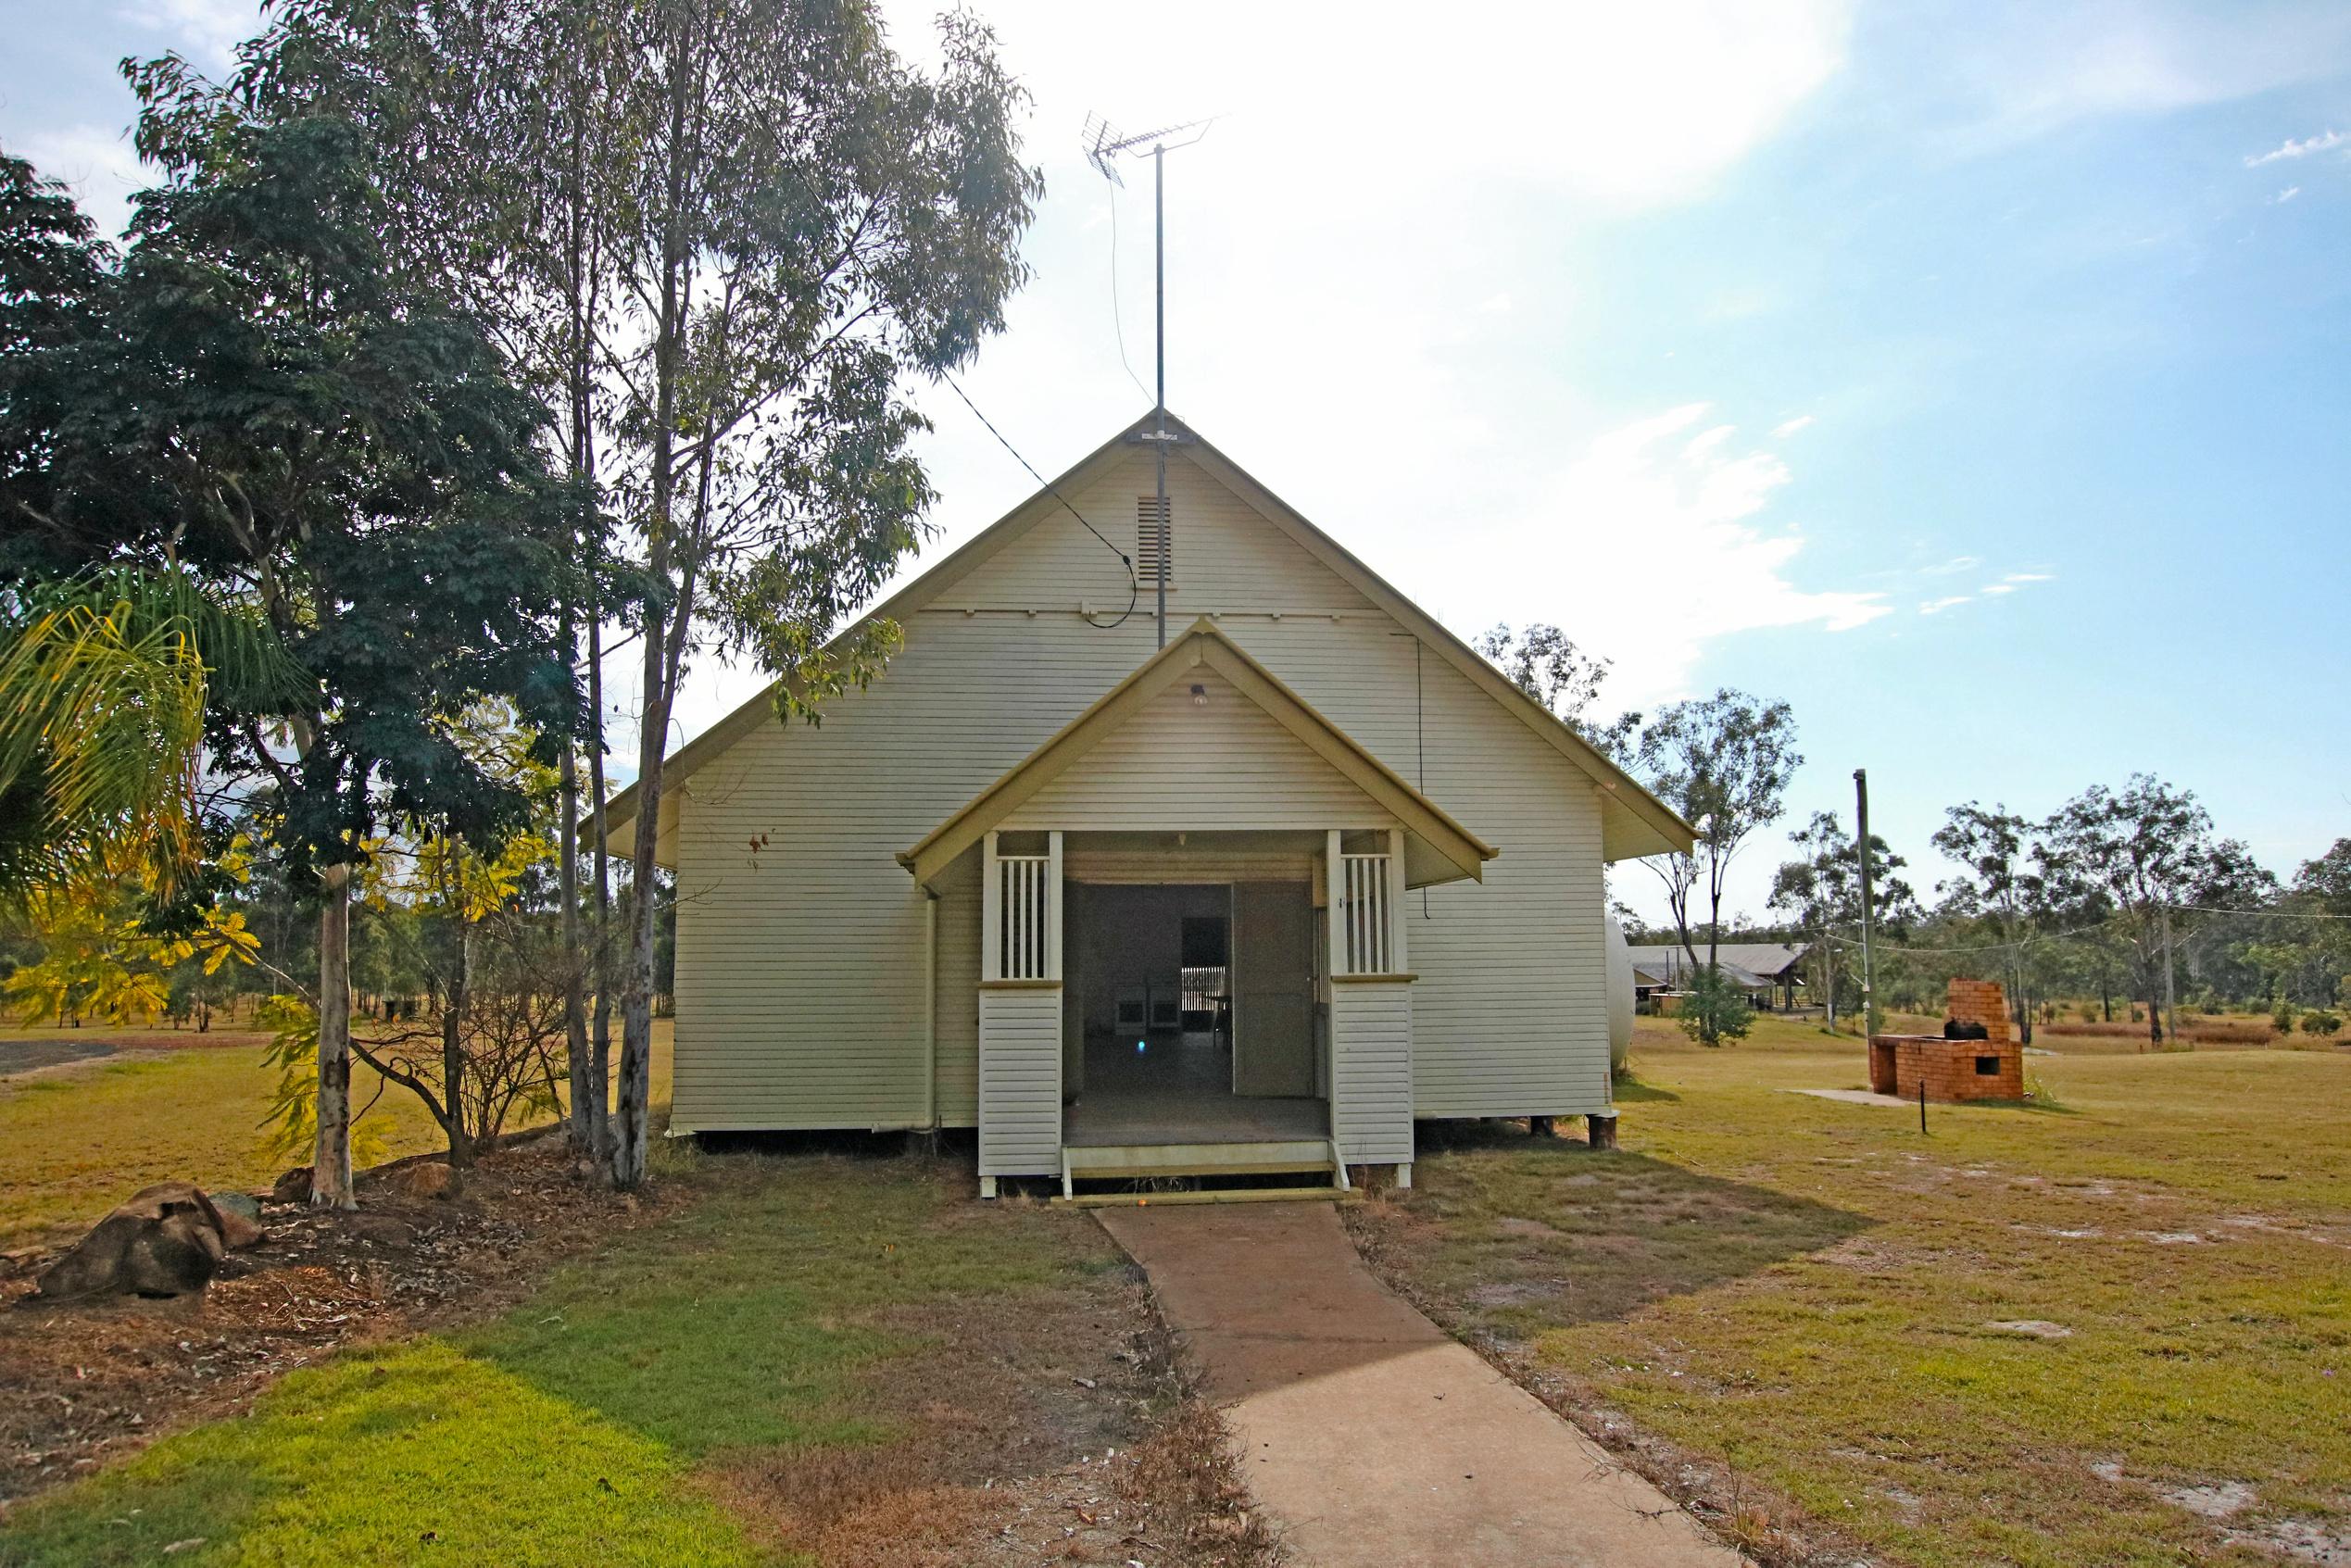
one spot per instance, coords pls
(1973, 376)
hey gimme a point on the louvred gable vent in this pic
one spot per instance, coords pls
(1155, 540)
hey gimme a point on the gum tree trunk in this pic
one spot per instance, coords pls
(331, 1164)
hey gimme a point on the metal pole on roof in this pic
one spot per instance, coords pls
(1868, 991)
(1104, 145)
(1159, 227)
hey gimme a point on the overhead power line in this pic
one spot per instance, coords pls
(1134, 583)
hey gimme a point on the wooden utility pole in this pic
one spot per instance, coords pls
(1868, 989)
(2171, 996)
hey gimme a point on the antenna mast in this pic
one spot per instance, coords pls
(1103, 144)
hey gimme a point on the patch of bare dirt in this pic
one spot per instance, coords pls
(1766, 1525)
(85, 1383)
(1067, 1431)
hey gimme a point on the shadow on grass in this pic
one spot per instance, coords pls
(1631, 1090)
(1515, 1235)
(412, 1450)
(754, 1317)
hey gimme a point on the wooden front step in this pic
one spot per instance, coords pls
(1143, 1161)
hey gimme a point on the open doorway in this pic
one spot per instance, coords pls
(1193, 1013)
(1151, 990)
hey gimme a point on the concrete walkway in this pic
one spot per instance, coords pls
(1371, 1437)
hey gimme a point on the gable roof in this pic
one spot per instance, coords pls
(1633, 821)
(1203, 644)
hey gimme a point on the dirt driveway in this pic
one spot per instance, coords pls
(1374, 1440)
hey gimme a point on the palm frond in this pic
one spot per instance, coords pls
(104, 684)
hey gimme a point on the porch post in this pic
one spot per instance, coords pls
(1053, 905)
(991, 913)
(1396, 959)
(1335, 896)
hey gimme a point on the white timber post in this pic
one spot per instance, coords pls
(1335, 895)
(1053, 905)
(1396, 902)
(991, 913)
(1335, 965)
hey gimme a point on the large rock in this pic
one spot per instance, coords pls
(240, 1218)
(294, 1187)
(168, 1240)
(425, 1181)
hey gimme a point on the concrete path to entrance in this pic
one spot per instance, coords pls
(1371, 1438)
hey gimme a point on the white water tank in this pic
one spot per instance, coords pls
(1620, 995)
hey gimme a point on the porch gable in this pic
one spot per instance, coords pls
(1199, 705)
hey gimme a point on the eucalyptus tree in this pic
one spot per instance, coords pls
(1997, 883)
(1546, 663)
(1820, 891)
(726, 234)
(268, 401)
(812, 221)
(2147, 858)
(1724, 762)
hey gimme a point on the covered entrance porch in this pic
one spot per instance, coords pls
(1194, 1005)
(1192, 945)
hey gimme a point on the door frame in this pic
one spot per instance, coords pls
(1317, 1082)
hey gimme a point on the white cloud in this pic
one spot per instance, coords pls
(207, 32)
(99, 164)
(1956, 563)
(1996, 588)
(2013, 69)
(1936, 607)
(2325, 142)
(2015, 577)
(1645, 548)
(1787, 428)
(2285, 195)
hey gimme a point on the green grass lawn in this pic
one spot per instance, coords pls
(665, 1403)
(1804, 1291)
(76, 1141)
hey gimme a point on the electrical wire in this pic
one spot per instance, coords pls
(1134, 583)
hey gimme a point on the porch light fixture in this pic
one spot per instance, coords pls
(1199, 696)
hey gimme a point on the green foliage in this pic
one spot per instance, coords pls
(1715, 1009)
(2131, 855)
(2319, 1022)
(100, 959)
(1724, 763)
(104, 681)
(262, 396)
(1545, 663)
(1821, 893)
(2281, 1017)
(290, 1129)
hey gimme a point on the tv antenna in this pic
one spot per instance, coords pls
(1104, 146)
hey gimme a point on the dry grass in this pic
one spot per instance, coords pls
(1792, 1308)
(77, 1140)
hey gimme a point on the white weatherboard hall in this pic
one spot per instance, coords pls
(1250, 901)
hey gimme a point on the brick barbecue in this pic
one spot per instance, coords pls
(1955, 1069)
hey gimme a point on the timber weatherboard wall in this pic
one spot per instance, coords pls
(1371, 1069)
(800, 963)
(1020, 1079)
(1176, 766)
